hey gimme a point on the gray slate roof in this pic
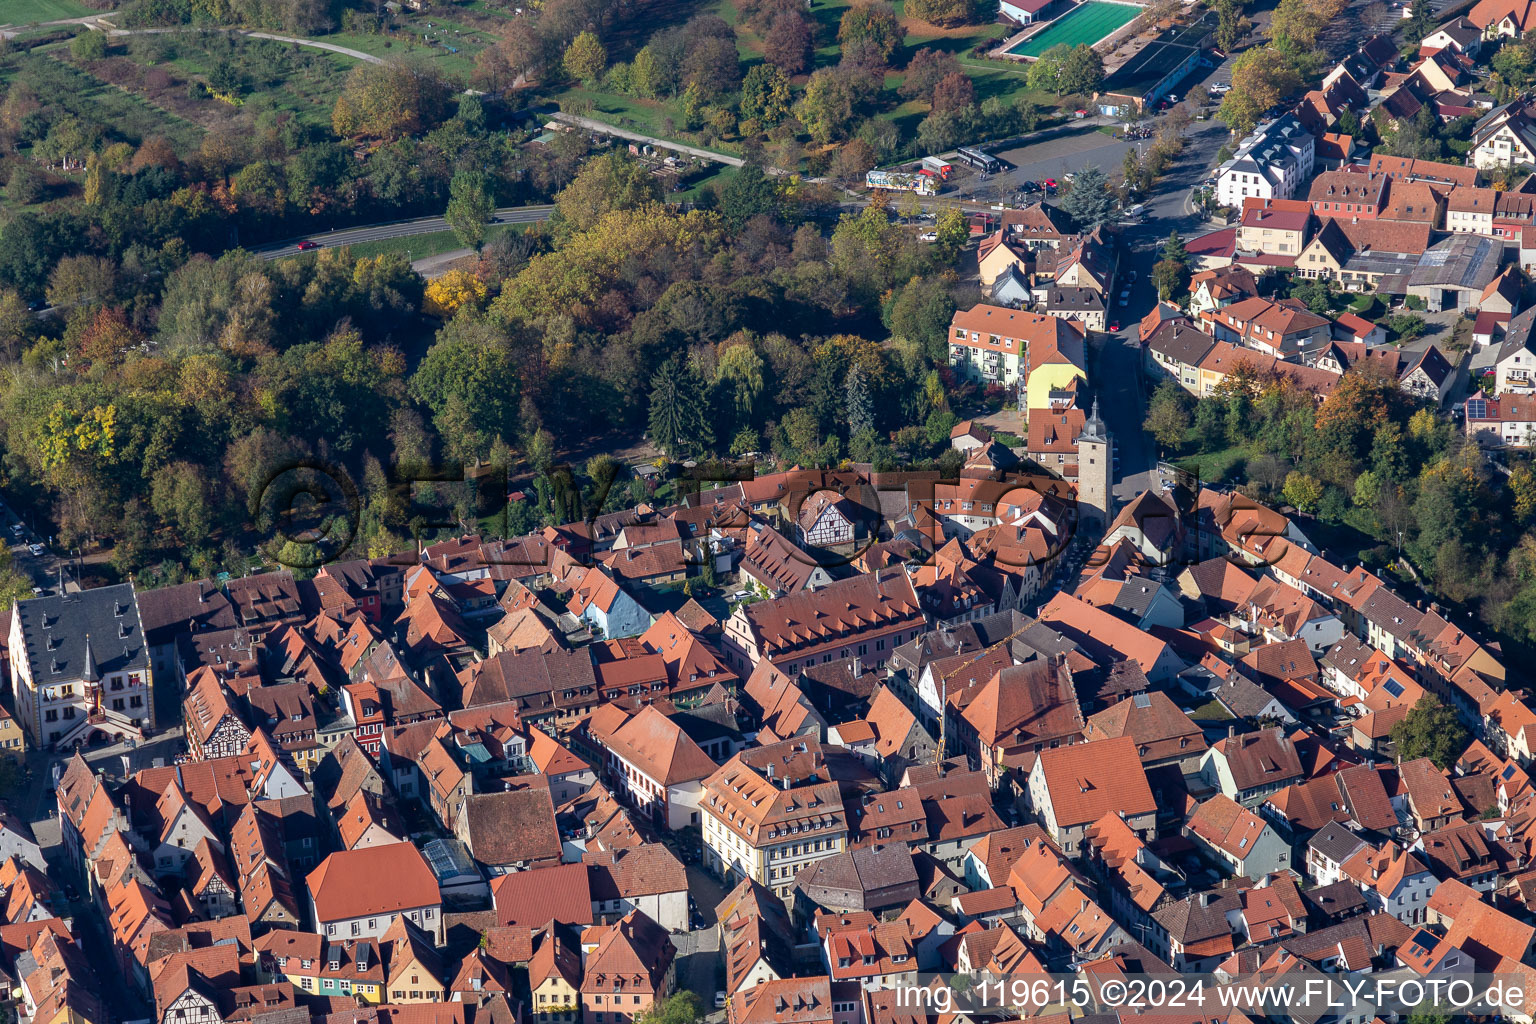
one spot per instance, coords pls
(54, 631)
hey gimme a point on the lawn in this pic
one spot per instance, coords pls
(1214, 467)
(418, 246)
(25, 12)
(662, 118)
(1085, 24)
(126, 116)
(279, 76)
(440, 53)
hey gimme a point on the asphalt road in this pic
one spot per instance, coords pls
(1122, 384)
(398, 229)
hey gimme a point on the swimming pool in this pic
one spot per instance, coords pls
(1086, 23)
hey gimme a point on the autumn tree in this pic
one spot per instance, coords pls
(925, 70)
(391, 99)
(764, 95)
(828, 104)
(607, 182)
(942, 12)
(1260, 77)
(585, 58)
(851, 161)
(787, 45)
(446, 293)
(954, 92)
(871, 22)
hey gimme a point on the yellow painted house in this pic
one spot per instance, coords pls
(13, 741)
(554, 980)
(1005, 346)
(416, 972)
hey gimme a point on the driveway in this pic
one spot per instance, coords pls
(699, 967)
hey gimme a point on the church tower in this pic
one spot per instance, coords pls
(1095, 476)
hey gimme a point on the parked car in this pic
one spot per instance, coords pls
(719, 1000)
(929, 236)
(38, 551)
(1114, 326)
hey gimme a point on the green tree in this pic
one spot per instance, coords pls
(1168, 416)
(857, 401)
(1231, 24)
(1303, 492)
(765, 95)
(1089, 200)
(469, 207)
(585, 58)
(1367, 489)
(1082, 70)
(1405, 326)
(179, 495)
(1046, 73)
(1515, 64)
(88, 45)
(682, 1007)
(679, 411)
(469, 380)
(1419, 23)
(750, 193)
(1432, 730)
(739, 373)
(1319, 294)
(1174, 249)
(951, 232)
(1418, 137)
(15, 585)
(1170, 277)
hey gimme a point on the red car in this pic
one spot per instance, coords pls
(308, 245)
(1049, 183)
(1114, 327)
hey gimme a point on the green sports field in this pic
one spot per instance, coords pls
(1087, 23)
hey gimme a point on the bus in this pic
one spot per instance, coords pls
(984, 162)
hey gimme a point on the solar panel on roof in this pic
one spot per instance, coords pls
(1393, 687)
(1477, 407)
(1142, 700)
